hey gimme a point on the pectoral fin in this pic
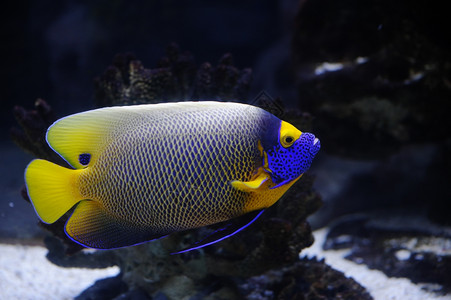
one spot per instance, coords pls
(253, 185)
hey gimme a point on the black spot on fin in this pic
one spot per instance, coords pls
(84, 159)
(225, 232)
(92, 227)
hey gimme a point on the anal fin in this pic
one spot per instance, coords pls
(91, 226)
(221, 234)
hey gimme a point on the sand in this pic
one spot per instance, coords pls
(376, 282)
(25, 273)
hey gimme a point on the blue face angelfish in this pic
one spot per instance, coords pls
(142, 172)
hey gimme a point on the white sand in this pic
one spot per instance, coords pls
(376, 282)
(25, 273)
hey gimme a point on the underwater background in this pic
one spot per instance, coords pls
(372, 80)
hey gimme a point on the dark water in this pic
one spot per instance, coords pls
(380, 106)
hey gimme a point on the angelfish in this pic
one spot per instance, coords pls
(141, 172)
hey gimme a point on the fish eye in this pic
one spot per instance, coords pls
(288, 134)
(287, 141)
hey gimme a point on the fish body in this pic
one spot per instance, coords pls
(142, 172)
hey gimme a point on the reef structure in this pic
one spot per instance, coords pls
(376, 77)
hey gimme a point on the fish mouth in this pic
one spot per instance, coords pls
(315, 146)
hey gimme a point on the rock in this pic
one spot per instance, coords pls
(104, 289)
(400, 245)
(376, 76)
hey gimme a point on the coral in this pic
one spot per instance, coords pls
(374, 76)
(33, 127)
(175, 79)
(399, 245)
(106, 289)
(306, 279)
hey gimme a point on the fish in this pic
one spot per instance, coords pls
(141, 172)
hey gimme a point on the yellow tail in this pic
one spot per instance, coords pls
(53, 189)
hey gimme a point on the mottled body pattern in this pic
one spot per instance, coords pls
(174, 173)
(146, 171)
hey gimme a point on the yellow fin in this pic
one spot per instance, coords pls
(90, 131)
(91, 226)
(251, 186)
(85, 133)
(52, 189)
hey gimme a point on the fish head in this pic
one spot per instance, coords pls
(291, 155)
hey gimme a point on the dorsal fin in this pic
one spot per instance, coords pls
(80, 137)
(89, 132)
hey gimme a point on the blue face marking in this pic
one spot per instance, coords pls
(289, 163)
(84, 159)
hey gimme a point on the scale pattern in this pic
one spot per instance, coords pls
(174, 173)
